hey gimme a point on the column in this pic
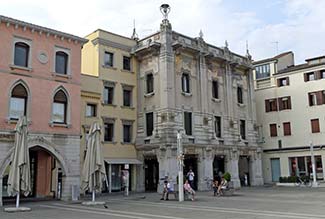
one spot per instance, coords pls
(1, 190)
(140, 186)
(68, 183)
(205, 169)
(256, 175)
(110, 178)
(232, 167)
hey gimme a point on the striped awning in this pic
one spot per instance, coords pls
(122, 161)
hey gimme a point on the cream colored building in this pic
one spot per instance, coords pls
(109, 96)
(290, 101)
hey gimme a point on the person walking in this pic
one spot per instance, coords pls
(190, 176)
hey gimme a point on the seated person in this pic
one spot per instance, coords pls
(215, 186)
(188, 189)
(223, 185)
(165, 190)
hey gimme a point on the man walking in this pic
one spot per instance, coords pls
(190, 176)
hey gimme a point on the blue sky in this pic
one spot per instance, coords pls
(298, 25)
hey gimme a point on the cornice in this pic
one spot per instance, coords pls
(109, 43)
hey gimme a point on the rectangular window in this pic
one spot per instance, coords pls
(127, 131)
(17, 107)
(315, 125)
(240, 95)
(149, 123)
(59, 112)
(127, 94)
(309, 76)
(91, 110)
(271, 105)
(322, 74)
(262, 71)
(286, 129)
(283, 82)
(312, 99)
(108, 95)
(186, 83)
(126, 63)
(188, 123)
(243, 129)
(273, 130)
(215, 93)
(109, 132)
(284, 103)
(108, 59)
(149, 82)
(217, 126)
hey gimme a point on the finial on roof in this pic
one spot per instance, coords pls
(201, 34)
(134, 34)
(247, 51)
(226, 44)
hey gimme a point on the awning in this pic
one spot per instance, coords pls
(122, 161)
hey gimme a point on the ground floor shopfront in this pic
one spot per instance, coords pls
(206, 162)
(293, 163)
(54, 165)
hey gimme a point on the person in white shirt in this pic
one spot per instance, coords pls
(190, 176)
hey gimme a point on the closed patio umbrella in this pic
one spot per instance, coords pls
(19, 174)
(93, 172)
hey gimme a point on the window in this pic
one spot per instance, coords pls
(283, 82)
(21, 54)
(91, 110)
(215, 93)
(242, 129)
(309, 76)
(108, 95)
(127, 95)
(284, 103)
(312, 99)
(108, 59)
(109, 131)
(262, 71)
(127, 133)
(240, 95)
(273, 130)
(149, 82)
(126, 63)
(60, 108)
(286, 129)
(185, 83)
(188, 123)
(322, 74)
(217, 126)
(315, 125)
(18, 102)
(271, 105)
(61, 62)
(149, 123)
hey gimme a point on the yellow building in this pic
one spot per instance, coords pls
(109, 96)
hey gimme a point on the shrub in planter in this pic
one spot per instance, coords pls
(227, 176)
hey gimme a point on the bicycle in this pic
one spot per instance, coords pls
(303, 182)
(209, 183)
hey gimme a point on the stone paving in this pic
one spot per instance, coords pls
(258, 202)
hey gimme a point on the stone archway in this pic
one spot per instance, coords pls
(51, 149)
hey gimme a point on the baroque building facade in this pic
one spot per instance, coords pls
(290, 113)
(206, 92)
(40, 79)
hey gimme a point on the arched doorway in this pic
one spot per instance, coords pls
(48, 168)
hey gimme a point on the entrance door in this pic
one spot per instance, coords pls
(275, 168)
(190, 162)
(151, 174)
(243, 167)
(218, 166)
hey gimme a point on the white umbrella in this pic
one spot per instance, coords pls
(93, 172)
(19, 174)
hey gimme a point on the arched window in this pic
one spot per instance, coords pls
(61, 62)
(60, 103)
(21, 54)
(18, 102)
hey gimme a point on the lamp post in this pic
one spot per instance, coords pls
(165, 9)
(314, 184)
(180, 158)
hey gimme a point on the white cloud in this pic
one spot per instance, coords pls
(301, 30)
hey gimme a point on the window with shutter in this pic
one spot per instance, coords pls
(312, 99)
(188, 123)
(315, 125)
(267, 105)
(273, 130)
(319, 97)
(286, 129)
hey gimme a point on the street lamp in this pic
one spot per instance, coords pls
(165, 9)
(180, 158)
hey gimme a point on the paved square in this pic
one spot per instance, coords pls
(247, 203)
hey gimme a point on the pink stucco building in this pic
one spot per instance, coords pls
(40, 78)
